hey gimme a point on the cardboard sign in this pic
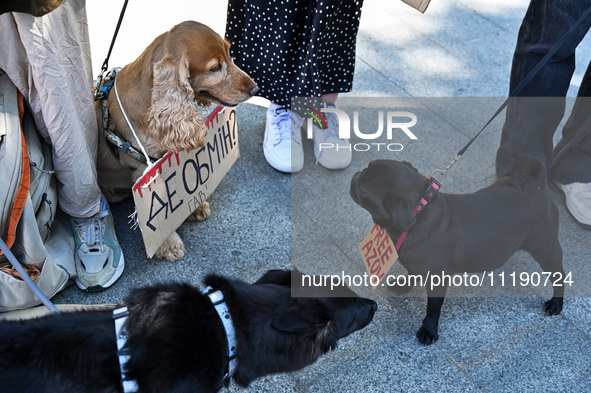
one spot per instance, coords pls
(179, 182)
(378, 253)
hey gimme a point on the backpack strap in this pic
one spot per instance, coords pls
(25, 182)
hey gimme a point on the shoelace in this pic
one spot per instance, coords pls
(283, 123)
(91, 231)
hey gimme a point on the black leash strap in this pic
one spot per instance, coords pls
(106, 62)
(518, 89)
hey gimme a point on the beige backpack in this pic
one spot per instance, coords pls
(28, 207)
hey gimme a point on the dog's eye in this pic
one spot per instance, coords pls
(216, 68)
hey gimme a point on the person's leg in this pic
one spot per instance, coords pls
(58, 93)
(334, 67)
(330, 99)
(271, 54)
(570, 169)
(531, 123)
(48, 59)
(572, 155)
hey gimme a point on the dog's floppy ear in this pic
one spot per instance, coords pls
(310, 317)
(302, 315)
(174, 118)
(403, 217)
(408, 164)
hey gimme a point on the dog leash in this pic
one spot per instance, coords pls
(515, 92)
(101, 93)
(105, 66)
(434, 184)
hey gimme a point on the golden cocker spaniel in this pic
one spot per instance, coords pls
(160, 92)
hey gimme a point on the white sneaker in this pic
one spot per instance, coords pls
(330, 151)
(283, 140)
(578, 201)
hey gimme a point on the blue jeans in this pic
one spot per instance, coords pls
(530, 123)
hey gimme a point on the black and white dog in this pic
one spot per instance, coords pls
(174, 338)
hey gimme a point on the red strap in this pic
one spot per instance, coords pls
(401, 240)
(427, 197)
(23, 188)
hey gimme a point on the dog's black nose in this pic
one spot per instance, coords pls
(254, 91)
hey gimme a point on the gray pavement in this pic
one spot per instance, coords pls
(263, 219)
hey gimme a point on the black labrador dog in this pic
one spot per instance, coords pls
(176, 340)
(464, 233)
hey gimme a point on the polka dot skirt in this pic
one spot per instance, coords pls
(295, 48)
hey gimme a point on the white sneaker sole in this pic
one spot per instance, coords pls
(573, 209)
(282, 167)
(100, 288)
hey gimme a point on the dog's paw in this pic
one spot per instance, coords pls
(203, 212)
(172, 249)
(427, 336)
(553, 306)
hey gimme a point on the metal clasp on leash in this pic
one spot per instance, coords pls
(104, 84)
(99, 81)
(442, 172)
(439, 182)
